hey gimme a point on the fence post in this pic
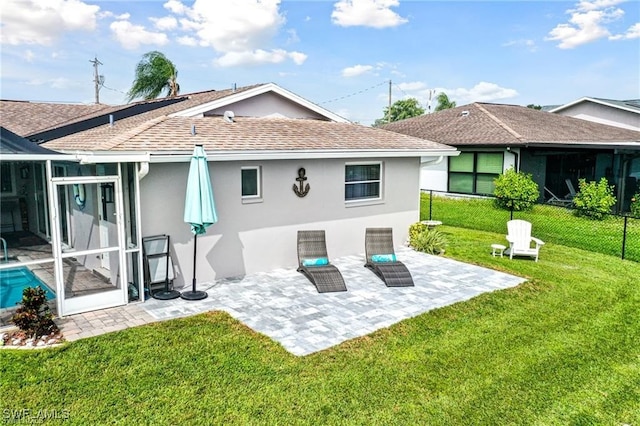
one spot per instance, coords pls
(624, 235)
(430, 202)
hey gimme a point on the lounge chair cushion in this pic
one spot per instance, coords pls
(318, 261)
(383, 258)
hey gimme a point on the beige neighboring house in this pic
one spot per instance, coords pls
(624, 114)
(128, 171)
(553, 148)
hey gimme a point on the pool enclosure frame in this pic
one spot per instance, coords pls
(123, 245)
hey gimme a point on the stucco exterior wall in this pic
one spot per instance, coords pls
(253, 237)
(267, 104)
(603, 114)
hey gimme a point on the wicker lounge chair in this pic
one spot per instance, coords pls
(313, 262)
(381, 258)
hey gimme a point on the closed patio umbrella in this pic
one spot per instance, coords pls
(199, 209)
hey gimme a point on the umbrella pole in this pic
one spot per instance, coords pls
(194, 294)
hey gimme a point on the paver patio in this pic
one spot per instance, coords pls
(285, 306)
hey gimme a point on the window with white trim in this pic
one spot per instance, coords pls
(362, 181)
(251, 183)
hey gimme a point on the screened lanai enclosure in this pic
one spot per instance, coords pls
(70, 226)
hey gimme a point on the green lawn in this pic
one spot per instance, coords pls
(561, 349)
(550, 223)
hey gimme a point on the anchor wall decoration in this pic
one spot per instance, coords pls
(303, 189)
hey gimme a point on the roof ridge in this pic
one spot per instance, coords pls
(500, 123)
(123, 137)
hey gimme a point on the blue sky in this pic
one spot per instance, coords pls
(340, 54)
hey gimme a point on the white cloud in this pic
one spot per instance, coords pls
(530, 45)
(42, 22)
(481, 92)
(413, 86)
(240, 29)
(587, 23)
(632, 32)
(367, 13)
(356, 70)
(132, 36)
(165, 23)
(55, 83)
(176, 7)
(258, 57)
(187, 41)
(29, 56)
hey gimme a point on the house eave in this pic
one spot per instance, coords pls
(595, 101)
(591, 145)
(168, 157)
(246, 94)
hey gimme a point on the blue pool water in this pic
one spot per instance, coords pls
(13, 281)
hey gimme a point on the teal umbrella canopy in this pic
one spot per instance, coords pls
(199, 206)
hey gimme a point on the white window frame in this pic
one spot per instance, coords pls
(252, 198)
(368, 200)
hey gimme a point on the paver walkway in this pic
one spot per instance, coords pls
(285, 306)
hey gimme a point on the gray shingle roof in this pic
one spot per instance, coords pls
(32, 118)
(173, 134)
(497, 124)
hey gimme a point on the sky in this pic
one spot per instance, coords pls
(343, 55)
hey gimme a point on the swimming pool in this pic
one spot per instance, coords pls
(13, 281)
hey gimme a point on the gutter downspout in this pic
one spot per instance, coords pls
(143, 169)
(432, 162)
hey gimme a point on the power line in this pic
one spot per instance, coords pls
(354, 93)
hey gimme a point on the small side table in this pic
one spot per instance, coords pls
(431, 224)
(497, 249)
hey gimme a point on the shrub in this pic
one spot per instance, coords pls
(34, 316)
(635, 205)
(515, 191)
(429, 241)
(415, 230)
(594, 199)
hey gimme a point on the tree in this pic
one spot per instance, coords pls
(154, 74)
(532, 106)
(404, 108)
(444, 102)
(515, 191)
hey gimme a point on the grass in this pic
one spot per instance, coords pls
(550, 223)
(563, 348)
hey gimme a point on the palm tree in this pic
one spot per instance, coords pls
(444, 102)
(154, 73)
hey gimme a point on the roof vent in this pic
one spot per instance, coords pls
(193, 130)
(465, 113)
(110, 120)
(229, 116)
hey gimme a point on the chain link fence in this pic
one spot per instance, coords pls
(615, 235)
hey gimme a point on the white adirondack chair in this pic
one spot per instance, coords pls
(520, 239)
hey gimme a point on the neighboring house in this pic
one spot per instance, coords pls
(624, 114)
(126, 178)
(553, 148)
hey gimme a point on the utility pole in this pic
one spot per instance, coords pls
(389, 109)
(98, 80)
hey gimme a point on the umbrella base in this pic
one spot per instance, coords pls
(166, 295)
(194, 295)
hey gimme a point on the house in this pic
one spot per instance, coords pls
(278, 164)
(553, 148)
(624, 114)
